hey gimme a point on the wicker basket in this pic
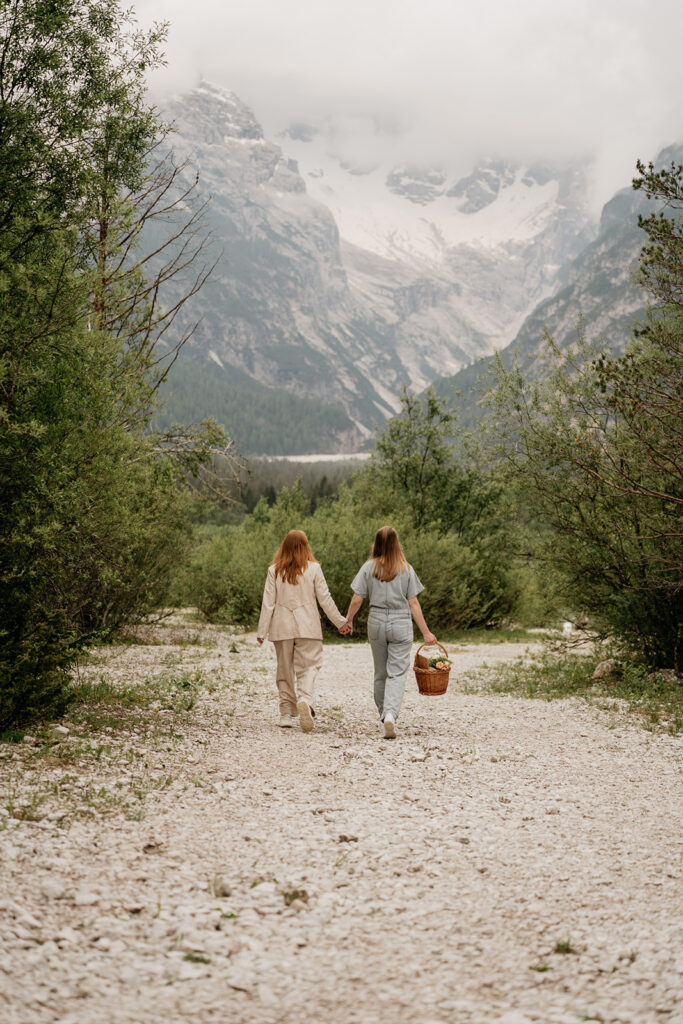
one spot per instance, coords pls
(430, 681)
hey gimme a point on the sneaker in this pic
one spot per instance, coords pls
(389, 727)
(286, 722)
(305, 715)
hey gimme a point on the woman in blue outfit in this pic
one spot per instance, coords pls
(392, 587)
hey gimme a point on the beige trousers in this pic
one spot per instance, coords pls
(299, 660)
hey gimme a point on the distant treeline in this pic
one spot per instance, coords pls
(261, 419)
(261, 477)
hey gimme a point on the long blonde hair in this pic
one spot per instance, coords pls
(292, 557)
(387, 554)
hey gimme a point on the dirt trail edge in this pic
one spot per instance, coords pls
(504, 861)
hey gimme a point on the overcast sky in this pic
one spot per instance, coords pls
(447, 80)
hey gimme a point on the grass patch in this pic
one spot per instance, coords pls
(564, 946)
(657, 701)
(290, 895)
(71, 798)
(28, 806)
(454, 636)
(12, 735)
(104, 705)
(492, 636)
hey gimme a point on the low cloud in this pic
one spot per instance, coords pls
(441, 81)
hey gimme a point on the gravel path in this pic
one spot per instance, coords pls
(504, 861)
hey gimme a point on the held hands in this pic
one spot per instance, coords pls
(346, 629)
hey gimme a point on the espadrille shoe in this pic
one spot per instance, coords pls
(286, 722)
(305, 715)
(389, 727)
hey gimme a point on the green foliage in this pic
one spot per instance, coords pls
(412, 465)
(463, 568)
(660, 260)
(538, 598)
(657, 700)
(225, 575)
(262, 419)
(596, 456)
(93, 513)
(105, 702)
(264, 477)
(34, 662)
(564, 946)
(453, 514)
(415, 474)
(463, 588)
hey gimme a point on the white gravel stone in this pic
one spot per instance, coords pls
(222, 887)
(266, 995)
(68, 936)
(52, 889)
(84, 898)
(571, 814)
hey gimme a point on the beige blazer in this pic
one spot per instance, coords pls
(289, 610)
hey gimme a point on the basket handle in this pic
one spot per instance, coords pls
(437, 644)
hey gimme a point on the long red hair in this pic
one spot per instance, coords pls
(387, 554)
(293, 555)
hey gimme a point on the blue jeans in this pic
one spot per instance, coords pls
(391, 638)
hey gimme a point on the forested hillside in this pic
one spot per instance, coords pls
(264, 419)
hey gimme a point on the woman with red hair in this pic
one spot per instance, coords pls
(289, 617)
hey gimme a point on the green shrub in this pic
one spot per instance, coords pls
(464, 585)
(537, 598)
(34, 664)
(454, 536)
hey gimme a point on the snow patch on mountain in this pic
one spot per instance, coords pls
(415, 214)
(346, 280)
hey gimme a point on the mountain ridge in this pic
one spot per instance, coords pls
(295, 307)
(597, 294)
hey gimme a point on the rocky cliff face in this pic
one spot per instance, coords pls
(339, 284)
(596, 290)
(277, 308)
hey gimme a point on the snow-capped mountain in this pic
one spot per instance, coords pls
(340, 283)
(596, 289)
(419, 214)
